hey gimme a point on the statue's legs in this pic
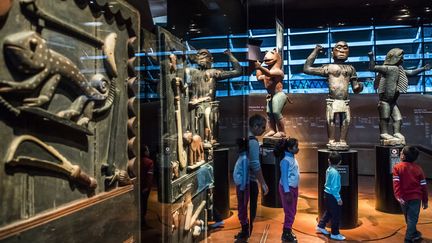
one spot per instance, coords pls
(207, 127)
(345, 119)
(278, 103)
(384, 110)
(397, 123)
(330, 116)
(271, 122)
(281, 128)
(387, 110)
(214, 121)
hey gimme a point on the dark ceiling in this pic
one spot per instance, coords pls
(191, 18)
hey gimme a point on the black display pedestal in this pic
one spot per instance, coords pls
(349, 186)
(386, 158)
(271, 173)
(221, 182)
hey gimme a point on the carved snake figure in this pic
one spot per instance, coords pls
(29, 54)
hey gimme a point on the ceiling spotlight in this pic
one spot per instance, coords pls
(428, 9)
(367, 4)
(404, 10)
(404, 16)
(194, 30)
(341, 24)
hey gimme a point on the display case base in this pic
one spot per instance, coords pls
(349, 186)
(386, 158)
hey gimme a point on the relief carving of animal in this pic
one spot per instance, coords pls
(29, 54)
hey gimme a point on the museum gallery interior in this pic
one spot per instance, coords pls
(215, 121)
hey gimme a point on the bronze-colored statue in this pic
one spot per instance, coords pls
(339, 75)
(272, 76)
(391, 81)
(203, 79)
(202, 82)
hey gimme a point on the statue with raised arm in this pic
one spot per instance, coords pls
(339, 75)
(391, 81)
(202, 91)
(272, 76)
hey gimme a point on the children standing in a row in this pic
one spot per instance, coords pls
(257, 125)
(247, 172)
(288, 190)
(288, 184)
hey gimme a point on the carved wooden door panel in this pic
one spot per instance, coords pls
(68, 121)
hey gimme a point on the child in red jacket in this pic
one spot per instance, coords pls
(409, 186)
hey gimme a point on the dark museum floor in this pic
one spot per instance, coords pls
(375, 226)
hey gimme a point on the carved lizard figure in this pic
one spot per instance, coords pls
(28, 52)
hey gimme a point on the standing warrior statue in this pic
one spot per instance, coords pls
(339, 75)
(391, 81)
(203, 87)
(272, 76)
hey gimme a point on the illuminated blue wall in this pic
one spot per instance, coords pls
(415, 41)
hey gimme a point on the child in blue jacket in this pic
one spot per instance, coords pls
(332, 199)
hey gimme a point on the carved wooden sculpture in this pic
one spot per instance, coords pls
(64, 166)
(181, 153)
(391, 81)
(203, 90)
(272, 77)
(28, 52)
(195, 148)
(339, 75)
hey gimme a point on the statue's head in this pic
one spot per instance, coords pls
(204, 59)
(394, 57)
(272, 57)
(340, 51)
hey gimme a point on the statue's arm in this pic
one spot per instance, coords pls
(414, 72)
(308, 69)
(355, 84)
(277, 72)
(259, 75)
(235, 72)
(373, 67)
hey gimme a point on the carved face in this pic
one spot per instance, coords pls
(204, 59)
(341, 51)
(271, 57)
(394, 57)
(27, 51)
